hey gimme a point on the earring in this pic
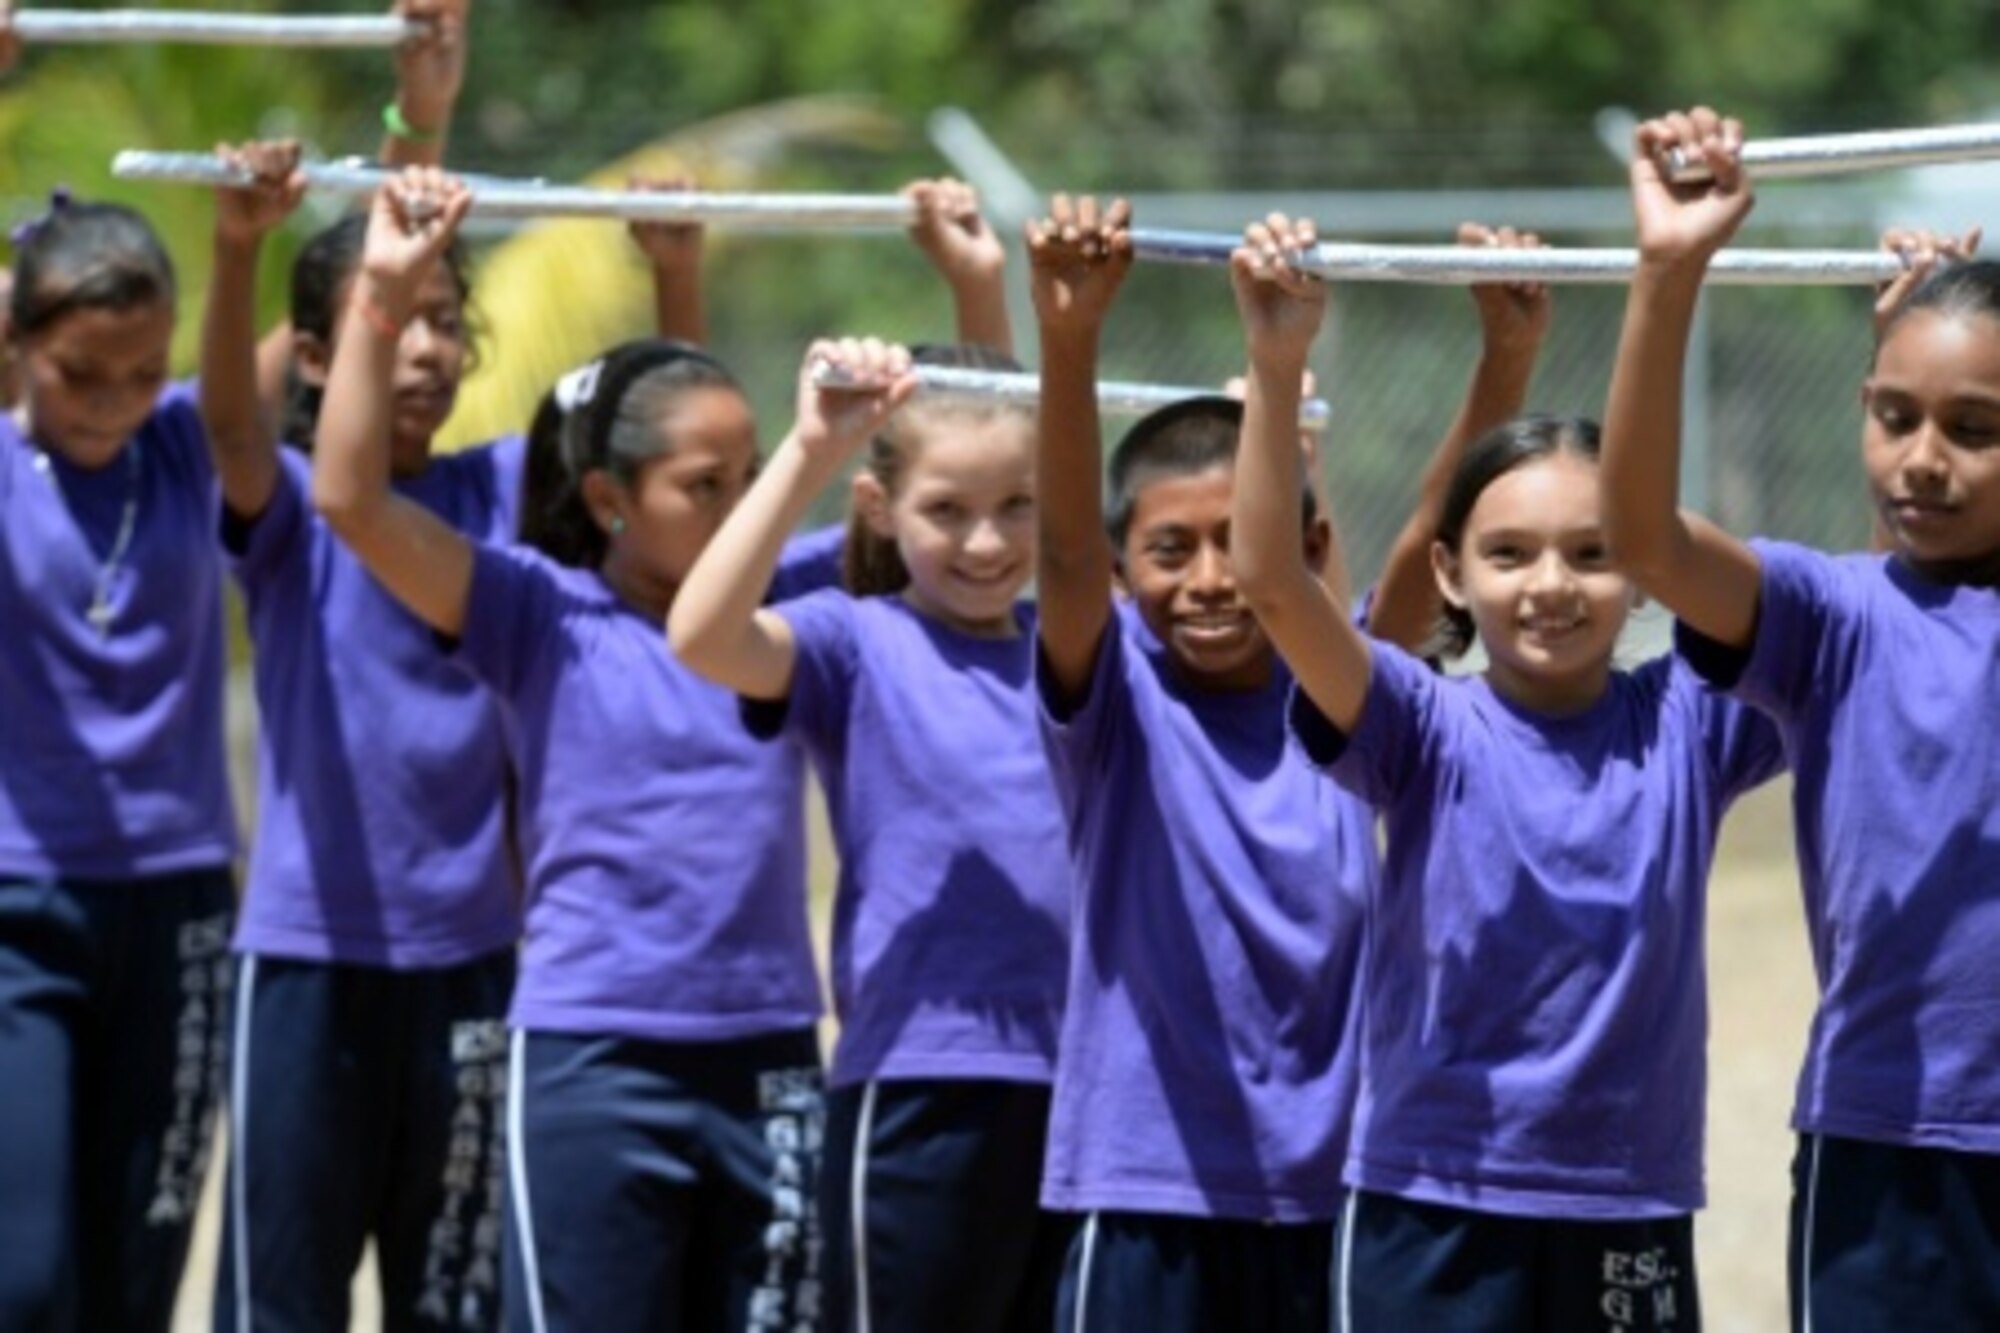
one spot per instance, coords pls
(617, 524)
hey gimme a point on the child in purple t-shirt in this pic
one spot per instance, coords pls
(1206, 1071)
(663, 1097)
(381, 912)
(1883, 672)
(1526, 1150)
(116, 833)
(915, 696)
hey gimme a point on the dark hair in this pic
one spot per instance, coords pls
(612, 425)
(320, 276)
(86, 257)
(1962, 289)
(1491, 457)
(1183, 439)
(871, 564)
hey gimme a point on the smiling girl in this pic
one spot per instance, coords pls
(1527, 1144)
(916, 699)
(1881, 672)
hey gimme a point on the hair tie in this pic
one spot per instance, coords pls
(579, 386)
(22, 233)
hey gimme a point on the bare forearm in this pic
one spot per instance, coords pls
(680, 310)
(351, 454)
(430, 122)
(981, 306)
(714, 624)
(1406, 607)
(1070, 472)
(1075, 565)
(1642, 418)
(1267, 550)
(242, 440)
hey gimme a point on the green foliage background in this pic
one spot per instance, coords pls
(1086, 94)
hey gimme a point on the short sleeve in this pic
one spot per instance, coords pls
(1798, 601)
(1078, 732)
(176, 424)
(258, 545)
(1745, 747)
(1394, 732)
(809, 563)
(508, 459)
(510, 616)
(827, 638)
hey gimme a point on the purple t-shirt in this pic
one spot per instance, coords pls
(112, 763)
(951, 919)
(1536, 1023)
(1207, 1066)
(1887, 688)
(664, 845)
(381, 770)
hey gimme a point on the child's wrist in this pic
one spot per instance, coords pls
(413, 119)
(1279, 365)
(381, 305)
(234, 241)
(978, 278)
(1076, 336)
(1665, 274)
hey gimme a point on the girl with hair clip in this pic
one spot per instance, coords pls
(382, 914)
(1526, 1151)
(1881, 671)
(116, 834)
(915, 697)
(664, 1109)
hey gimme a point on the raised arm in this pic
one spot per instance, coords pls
(430, 72)
(1334, 575)
(1281, 310)
(242, 426)
(1700, 573)
(1078, 257)
(1513, 321)
(673, 252)
(718, 625)
(953, 235)
(423, 562)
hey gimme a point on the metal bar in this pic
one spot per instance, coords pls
(499, 197)
(1456, 265)
(1834, 154)
(156, 25)
(1025, 388)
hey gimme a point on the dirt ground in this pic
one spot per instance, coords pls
(1761, 991)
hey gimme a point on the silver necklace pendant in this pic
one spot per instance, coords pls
(99, 613)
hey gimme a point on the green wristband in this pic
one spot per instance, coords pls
(392, 121)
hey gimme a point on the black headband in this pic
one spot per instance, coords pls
(597, 389)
